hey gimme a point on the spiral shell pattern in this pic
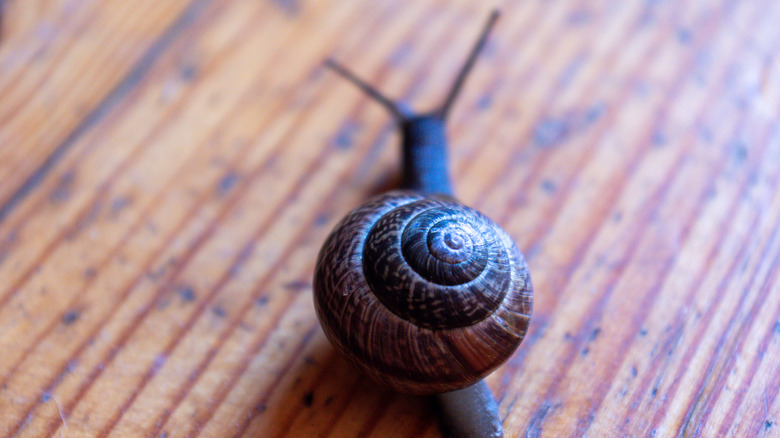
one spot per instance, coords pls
(422, 293)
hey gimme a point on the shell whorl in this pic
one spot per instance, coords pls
(422, 293)
(436, 265)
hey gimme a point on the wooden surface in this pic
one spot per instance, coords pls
(170, 169)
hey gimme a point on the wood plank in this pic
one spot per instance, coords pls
(171, 170)
(44, 89)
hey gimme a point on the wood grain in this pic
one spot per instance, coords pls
(170, 170)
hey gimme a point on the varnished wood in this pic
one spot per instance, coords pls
(170, 169)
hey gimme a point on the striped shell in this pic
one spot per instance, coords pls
(422, 294)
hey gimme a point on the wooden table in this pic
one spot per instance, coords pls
(170, 169)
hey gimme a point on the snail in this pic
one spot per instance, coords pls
(420, 292)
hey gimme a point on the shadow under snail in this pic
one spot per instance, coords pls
(420, 292)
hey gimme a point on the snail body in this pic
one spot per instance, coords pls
(419, 291)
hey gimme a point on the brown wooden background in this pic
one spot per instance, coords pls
(170, 168)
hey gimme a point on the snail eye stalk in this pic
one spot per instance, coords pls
(367, 88)
(393, 107)
(467, 66)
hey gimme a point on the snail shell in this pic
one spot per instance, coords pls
(421, 293)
